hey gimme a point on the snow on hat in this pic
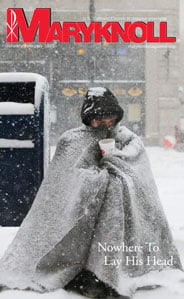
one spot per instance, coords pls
(100, 103)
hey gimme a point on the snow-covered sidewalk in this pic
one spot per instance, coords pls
(168, 169)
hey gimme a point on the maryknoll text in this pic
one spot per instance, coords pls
(41, 28)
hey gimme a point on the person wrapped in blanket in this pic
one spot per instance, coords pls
(96, 226)
(101, 113)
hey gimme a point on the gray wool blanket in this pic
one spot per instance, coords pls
(100, 214)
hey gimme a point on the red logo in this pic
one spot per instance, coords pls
(17, 23)
(41, 27)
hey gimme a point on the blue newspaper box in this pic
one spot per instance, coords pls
(24, 142)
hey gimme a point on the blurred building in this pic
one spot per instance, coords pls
(147, 78)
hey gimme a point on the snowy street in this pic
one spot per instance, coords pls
(168, 169)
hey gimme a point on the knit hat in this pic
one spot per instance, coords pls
(100, 103)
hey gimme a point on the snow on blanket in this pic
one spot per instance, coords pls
(167, 167)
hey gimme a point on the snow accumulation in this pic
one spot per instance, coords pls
(41, 88)
(15, 143)
(168, 170)
(41, 82)
(96, 91)
(12, 108)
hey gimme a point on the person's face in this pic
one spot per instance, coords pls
(106, 123)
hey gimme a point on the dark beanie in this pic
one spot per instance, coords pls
(100, 103)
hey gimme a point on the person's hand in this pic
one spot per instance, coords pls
(109, 157)
(118, 153)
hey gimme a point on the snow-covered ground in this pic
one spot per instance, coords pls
(168, 169)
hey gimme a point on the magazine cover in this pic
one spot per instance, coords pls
(91, 149)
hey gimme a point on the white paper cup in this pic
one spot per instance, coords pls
(107, 146)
